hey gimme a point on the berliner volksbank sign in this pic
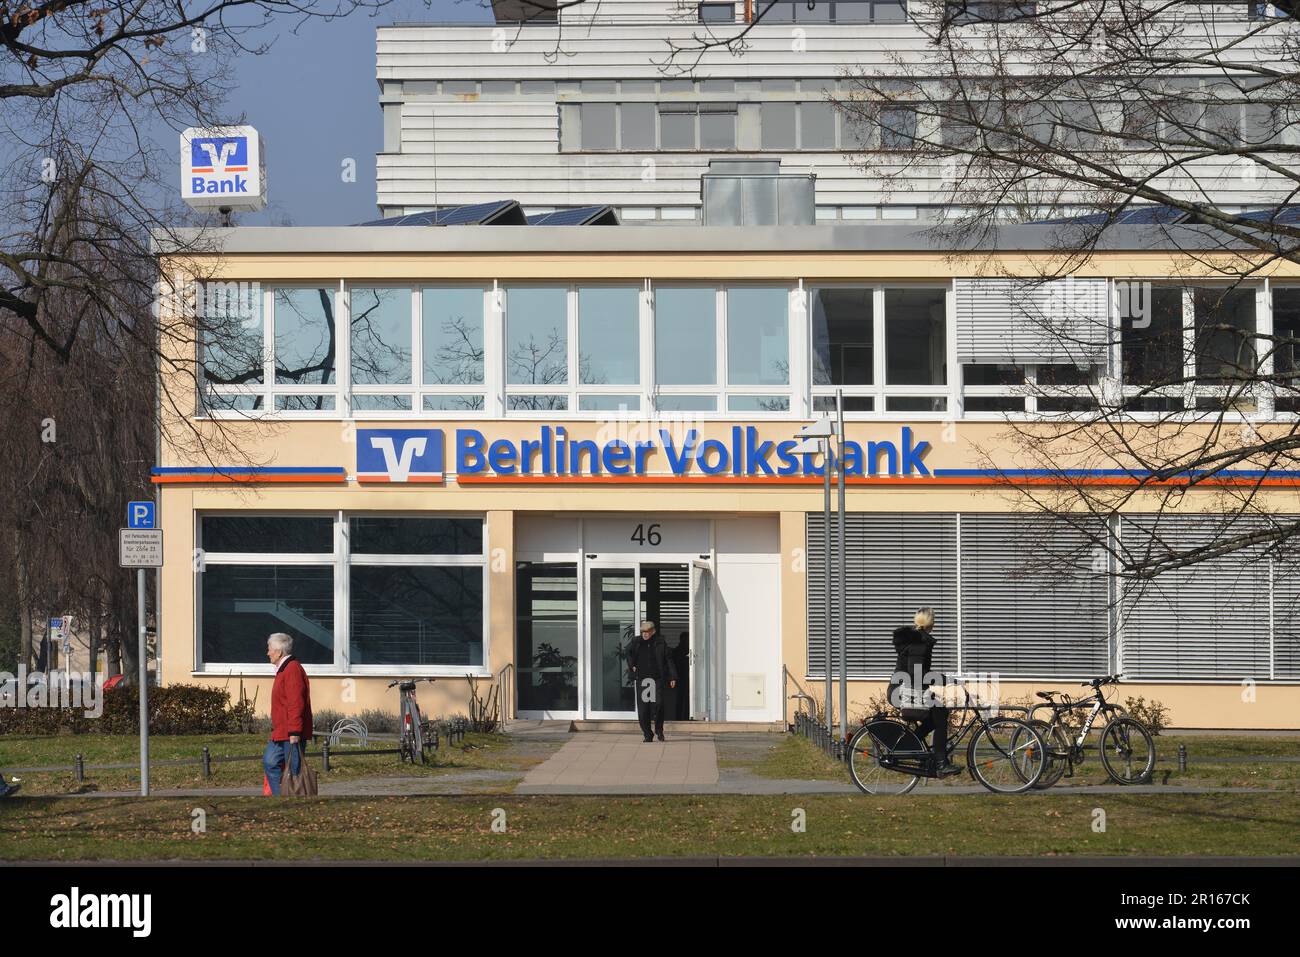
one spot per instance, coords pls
(554, 452)
(223, 167)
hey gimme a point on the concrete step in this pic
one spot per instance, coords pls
(685, 727)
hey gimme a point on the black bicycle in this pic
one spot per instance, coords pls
(1006, 755)
(1127, 751)
(413, 734)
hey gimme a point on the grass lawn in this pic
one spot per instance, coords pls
(460, 828)
(478, 752)
(796, 758)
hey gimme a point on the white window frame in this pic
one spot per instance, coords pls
(879, 391)
(340, 562)
(430, 389)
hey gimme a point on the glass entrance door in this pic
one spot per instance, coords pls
(707, 697)
(615, 610)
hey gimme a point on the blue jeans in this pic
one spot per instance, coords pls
(277, 752)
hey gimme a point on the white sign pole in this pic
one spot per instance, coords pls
(144, 687)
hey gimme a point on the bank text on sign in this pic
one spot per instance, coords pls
(140, 547)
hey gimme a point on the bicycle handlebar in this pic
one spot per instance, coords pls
(395, 683)
(1098, 682)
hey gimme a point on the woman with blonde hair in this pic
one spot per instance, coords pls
(908, 692)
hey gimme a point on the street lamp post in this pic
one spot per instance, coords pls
(817, 438)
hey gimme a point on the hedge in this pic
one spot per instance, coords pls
(173, 709)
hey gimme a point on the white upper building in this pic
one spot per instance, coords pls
(587, 108)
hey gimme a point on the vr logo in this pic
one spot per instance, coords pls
(399, 455)
(219, 155)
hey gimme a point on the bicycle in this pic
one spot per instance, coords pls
(1125, 743)
(1005, 755)
(413, 731)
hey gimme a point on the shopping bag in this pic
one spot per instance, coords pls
(302, 784)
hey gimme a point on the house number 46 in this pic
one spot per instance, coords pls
(647, 535)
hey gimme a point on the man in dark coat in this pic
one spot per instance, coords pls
(914, 645)
(651, 665)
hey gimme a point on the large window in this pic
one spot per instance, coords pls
(696, 325)
(886, 347)
(1194, 348)
(537, 348)
(360, 592)
(609, 348)
(381, 348)
(452, 342)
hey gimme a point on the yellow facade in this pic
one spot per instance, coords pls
(331, 443)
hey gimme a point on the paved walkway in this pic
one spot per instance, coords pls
(596, 760)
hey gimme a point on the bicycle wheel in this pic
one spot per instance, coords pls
(1007, 756)
(1058, 752)
(872, 740)
(417, 736)
(1127, 751)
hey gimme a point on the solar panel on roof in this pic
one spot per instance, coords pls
(578, 216)
(497, 212)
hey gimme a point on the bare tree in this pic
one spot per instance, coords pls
(87, 91)
(1085, 115)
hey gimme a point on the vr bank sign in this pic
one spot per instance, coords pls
(223, 167)
(416, 455)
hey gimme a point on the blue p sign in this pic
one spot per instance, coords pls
(139, 515)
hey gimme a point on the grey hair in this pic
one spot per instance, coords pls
(648, 624)
(280, 642)
(924, 617)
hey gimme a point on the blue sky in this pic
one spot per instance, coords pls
(314, 100)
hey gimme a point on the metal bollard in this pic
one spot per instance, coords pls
(207, 762)
(1182, 757)
(325, 754)
(81, 770)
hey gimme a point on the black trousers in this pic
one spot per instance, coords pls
(653, 709)
(936, 721)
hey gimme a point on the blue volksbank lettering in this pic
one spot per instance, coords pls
(229, 184)
(554, 453)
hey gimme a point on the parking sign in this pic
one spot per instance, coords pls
(139, 515)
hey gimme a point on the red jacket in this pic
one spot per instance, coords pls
(290, 702)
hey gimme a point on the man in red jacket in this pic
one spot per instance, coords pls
(290, 711)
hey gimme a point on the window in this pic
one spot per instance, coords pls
(1191, 348)
(778, 121)
(900, 364)
(609, 346)
(717, 13)
(685, 315)
(758, 348)
(598, 126)
(536, 343)
(381, 346)
(231, 331)
(396, 592)
(843, 337)
(637, 126)
(451, 328)
(262, 574)
(304, 335)
(816, 126)
(415, 592)
(718, 126)
(1286, 347)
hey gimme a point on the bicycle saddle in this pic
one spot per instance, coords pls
(1047, 695)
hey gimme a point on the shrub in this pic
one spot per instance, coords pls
(379, 721)
(1151, 713)
(173, 709)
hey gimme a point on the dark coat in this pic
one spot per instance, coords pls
(659, 648)
(914, 648)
